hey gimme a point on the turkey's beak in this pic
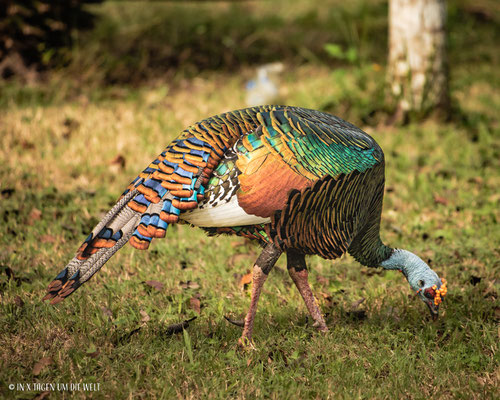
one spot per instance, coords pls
(434, 310)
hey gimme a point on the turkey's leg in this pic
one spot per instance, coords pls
(261, 269)
(296, 264)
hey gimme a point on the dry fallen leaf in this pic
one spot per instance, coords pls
(245, 280)
(18, 301)
(145, 316)
(195, 304)
(155, 284)
(40, 365)
(35, 215)
(189, 285)
(440, 200)
(118, 163)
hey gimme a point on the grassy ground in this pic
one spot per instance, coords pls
(63, 164)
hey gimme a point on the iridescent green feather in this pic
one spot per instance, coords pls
(319, 148)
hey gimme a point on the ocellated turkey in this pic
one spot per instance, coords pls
(298, 181)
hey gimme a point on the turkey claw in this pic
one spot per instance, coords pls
(320, 327)
(245, 343)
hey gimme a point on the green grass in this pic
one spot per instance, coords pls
(58, 177)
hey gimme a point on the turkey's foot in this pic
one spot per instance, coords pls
(246, 343)
(321, 327)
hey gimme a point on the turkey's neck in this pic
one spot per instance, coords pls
(377, 254)
(405, 261)
(396, 261)
(370, 253)
(368, 248)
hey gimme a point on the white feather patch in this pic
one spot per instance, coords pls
(225, 214)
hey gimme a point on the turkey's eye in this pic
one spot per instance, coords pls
(421, 283)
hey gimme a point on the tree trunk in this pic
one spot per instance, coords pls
(417, 71)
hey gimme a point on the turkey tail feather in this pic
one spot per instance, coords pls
(114, 230)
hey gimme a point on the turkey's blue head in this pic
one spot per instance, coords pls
(423, 280)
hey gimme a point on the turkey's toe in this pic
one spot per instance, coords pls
(246, 343)
(321, 327)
